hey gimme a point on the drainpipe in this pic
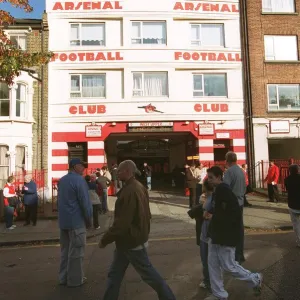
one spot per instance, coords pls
(42, 100)
(247, 92)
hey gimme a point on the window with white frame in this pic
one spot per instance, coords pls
(4, 100)
(150, 84)
(278, 6)
(87, 34)
(211, 85)
(148, 32)
(283, 96)
(207, 34)
(88, 86)
(281, 48)
(4, 165)
(21, 106)
(19, 40)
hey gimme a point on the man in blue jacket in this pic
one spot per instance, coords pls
(74, 214)
(30, 199)
(224, 234)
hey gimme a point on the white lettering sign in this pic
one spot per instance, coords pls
(223, 135)
(151, 124)
(93, 131)
(280, 126)
(206, 129)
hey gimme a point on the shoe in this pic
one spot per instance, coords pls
(258, 288)
(14, 226)
(203, 285)
(10, 228)
(26, 224)
(97, 228)
(84, 280)
(213, 297)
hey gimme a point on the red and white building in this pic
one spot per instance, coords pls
(159, 81)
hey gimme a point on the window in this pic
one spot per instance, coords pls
(21, 101)
(20, 41)
(4, 100)
(4, 165)
(87, 35)
(150, 84)
(20, 159)
(281, 47)
(148, 33)
(78, 150)
(280, 6)
(207, 34)
(88, 86)
(284, 96)
(213, 85)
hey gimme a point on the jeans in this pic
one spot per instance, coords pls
(273, 192)
(72, 246)
(104, 201)
(239, 251)
(140, 261)
(9, 216)
(198, 192)
(31, 213)
(221, 258)
(204, 260)
(149, 183)
(192, 197)
(295, 218)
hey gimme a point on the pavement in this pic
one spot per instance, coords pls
(168, 208)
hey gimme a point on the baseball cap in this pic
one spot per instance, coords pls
(77, 161)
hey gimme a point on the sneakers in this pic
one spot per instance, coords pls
(203, 285)
(10, 228)
(258, 288)
(14, 226)
(97, 228)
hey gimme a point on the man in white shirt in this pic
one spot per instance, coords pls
(200, 174)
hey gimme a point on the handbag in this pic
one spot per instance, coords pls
(12, 201)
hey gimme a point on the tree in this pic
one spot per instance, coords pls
(12, 59)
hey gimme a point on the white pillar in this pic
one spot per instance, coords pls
(13, 104)
(30, 104)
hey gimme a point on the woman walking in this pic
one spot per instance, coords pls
(91, 181)
(10, 202)
(292, 184)
(30, 200)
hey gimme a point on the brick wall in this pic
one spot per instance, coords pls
(36, 42)
(263, 73)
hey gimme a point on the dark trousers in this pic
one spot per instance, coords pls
(140, 261)
(192, 197)
(239, 250)
(9, 216)
(204, 260)
(198, 192)
(96, 215)
(104, 201)
(31, 213)
(273, 192)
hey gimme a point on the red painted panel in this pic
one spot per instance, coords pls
(95, 166)
(206, 149)
(95, 152)
(239, 149)
(60, 152)
(60, 167)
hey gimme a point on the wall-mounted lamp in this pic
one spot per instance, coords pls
(113, 123)
(187, 122)
(7, 153)
(222, 122)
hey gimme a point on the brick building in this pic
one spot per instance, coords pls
(272, 76)
(24, 105)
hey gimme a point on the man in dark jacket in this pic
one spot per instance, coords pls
(30, 200)
(292, 184)
(191, 182)
(224, 236)
(130, 232)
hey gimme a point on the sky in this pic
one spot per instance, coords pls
(38, 9)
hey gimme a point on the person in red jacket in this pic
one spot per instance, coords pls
(272, 180)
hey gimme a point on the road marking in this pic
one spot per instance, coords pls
(162, 239)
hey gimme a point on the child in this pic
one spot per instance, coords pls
(206, 200)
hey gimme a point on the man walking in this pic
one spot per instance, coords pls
(191, 182)
(200, 173)
(147, 175)
(272, 180)
(235, 178)
(224, 234)
(74, 214)
(130, 232)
